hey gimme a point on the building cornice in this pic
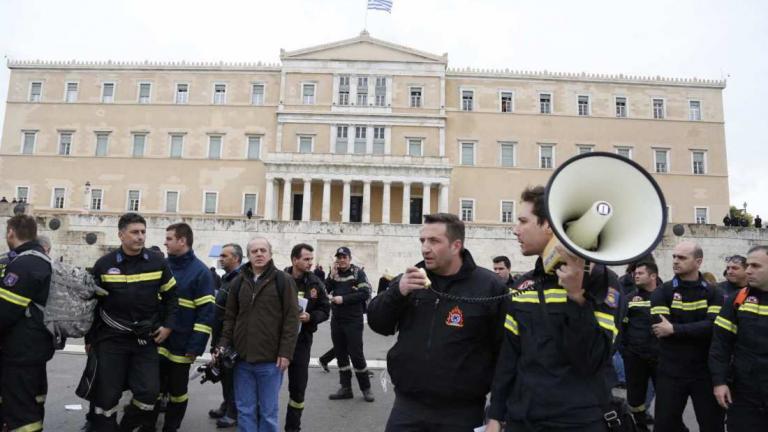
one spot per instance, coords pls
(481, 73)
(182, 65)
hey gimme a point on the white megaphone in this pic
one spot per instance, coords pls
(604, 208)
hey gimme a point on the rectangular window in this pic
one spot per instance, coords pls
(102, 144)
(621, 106)
(107, 92)
(362, 91)
(182, 94)
(249, 203)
(467, 153)
(139, 142)
(58, 198)
(506, 102)
(341, 139)
(507, 211)
(467, 210)
(308, 94)
(22, 193)
(219, 94)
(467, 100)
(35, 91)
(171, 202)
(660, 157)
(65, 143)
(584, 149)
(416, 93)
(414, 147)
(701, 215)
(583, 105)
(210, 202)
(545, 103)
(254, 147)
(507, 158)
(699, 164)
(134, 200)
(305, 144)
(145, 92)
(360, 139)
(71, 92)
(546, 156)
(177, 146)
(28, 145)
(658, 108)
(344, 90)
(624, 151)
(379, 145)
(214, 147)
(381, 91)
(257, 94)
(694, 110)
(97, 198)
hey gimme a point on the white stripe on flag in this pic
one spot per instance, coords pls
(384, 5)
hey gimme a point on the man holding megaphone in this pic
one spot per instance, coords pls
(559, 332)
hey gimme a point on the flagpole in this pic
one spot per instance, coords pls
(365, 26)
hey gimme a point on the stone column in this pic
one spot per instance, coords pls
(269, 199)
(306, 205)
(367, 201)
(426, 200)
(385, 203)
(286, 216)
(443, 201)
(345, 202)
(326, 200)
(406, 203)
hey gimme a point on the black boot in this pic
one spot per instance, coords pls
(342, 393)
(218, 412)
(368, 395)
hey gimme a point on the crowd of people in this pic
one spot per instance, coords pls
(548, 348)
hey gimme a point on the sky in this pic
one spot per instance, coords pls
(680, 38)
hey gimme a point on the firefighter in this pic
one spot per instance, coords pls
(317, 309)
(350, 290)
(135, 317)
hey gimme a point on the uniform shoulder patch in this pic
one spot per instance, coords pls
(10, 279)
(524, 285)
(612, 297)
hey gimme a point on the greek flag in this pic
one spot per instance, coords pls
(385, 5)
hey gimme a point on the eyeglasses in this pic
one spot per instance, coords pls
(738, 259)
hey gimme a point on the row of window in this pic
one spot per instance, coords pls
(358, 95)
(359, 145)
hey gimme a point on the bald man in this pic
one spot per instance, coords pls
(683, 311)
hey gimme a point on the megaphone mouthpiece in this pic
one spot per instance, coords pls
(585, 231)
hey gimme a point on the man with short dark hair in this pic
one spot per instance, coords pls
(230, 259)
(135, 317)
(442, 363)
(638, 346)
(686, 307)
(735, 275)
(501, 266)
(349, 286)
(739, 352)
(311, 289)
(559, 332)
(194, 319)
(25, 343)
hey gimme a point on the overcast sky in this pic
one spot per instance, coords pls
(680, 38)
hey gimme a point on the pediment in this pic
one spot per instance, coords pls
(364, 48)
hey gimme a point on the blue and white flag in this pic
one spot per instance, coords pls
(384, 5)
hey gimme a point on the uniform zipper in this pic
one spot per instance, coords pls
(432, 325)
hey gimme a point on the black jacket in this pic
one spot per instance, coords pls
(552, 367)
(636, 335)
(445, 350)
(221, 305)
(318, 307)
(739, 352)
(24, 281)
(691, 307)
(351, 284)
(728, 288)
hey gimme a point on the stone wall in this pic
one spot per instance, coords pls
(375, 246)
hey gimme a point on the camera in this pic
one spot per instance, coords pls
(211, 371)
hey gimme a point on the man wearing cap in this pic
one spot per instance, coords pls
(349, 290)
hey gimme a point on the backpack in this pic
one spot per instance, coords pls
(69, 310)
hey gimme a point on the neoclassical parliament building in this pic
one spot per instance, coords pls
(360, 130)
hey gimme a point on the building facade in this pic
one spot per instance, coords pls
(360, 130)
